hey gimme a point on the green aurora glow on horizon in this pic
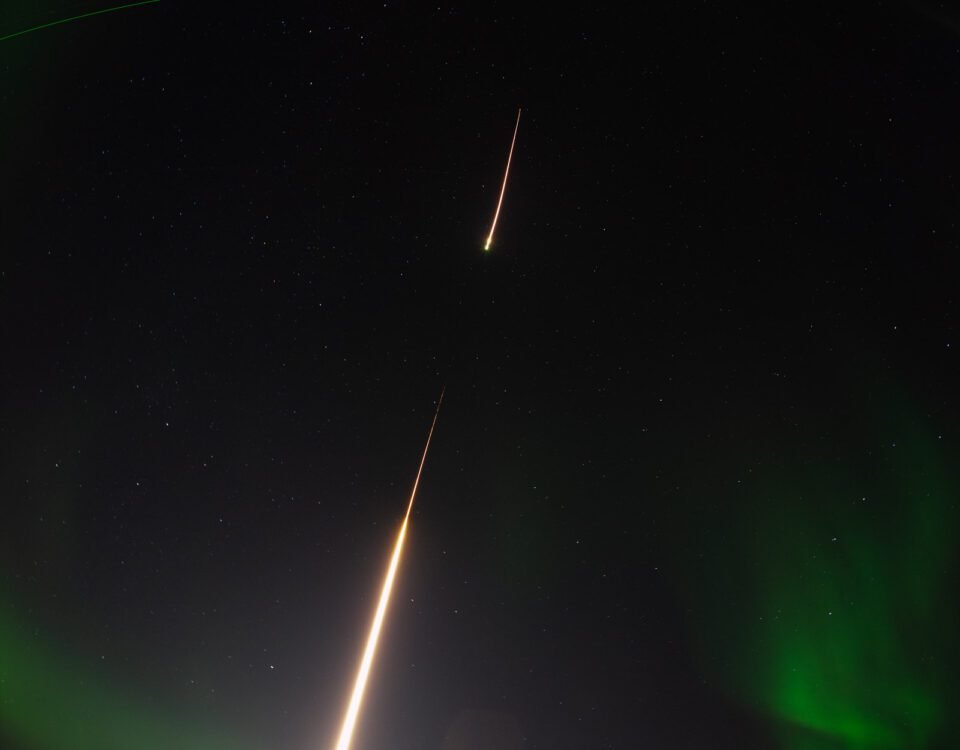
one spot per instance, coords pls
(827, 594)
(47, 705)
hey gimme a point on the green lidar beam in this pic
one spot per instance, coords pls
(77, 18)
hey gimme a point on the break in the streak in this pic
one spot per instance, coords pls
(503, 188)
(350, 719)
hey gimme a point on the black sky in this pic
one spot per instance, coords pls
(241, 253)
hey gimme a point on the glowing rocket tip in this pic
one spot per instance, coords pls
(503, 187)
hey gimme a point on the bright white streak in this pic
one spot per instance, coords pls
(503, 188)
(350, 719)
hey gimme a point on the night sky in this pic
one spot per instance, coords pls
(695, 479)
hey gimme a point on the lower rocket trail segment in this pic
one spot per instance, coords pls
(363, 673)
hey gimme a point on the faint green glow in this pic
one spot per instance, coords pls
(47, 705)
(77, 18)
(827, 587)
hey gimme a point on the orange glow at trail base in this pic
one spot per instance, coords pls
(356, 698)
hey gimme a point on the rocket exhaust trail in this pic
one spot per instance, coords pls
(503, 188)
(356, 698)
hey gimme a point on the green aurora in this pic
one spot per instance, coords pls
(47, 705)
(827, 593)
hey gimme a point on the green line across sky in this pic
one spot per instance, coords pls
(77, 18)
